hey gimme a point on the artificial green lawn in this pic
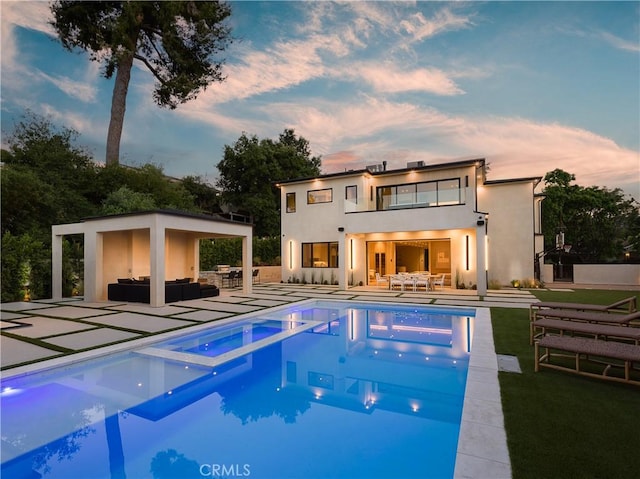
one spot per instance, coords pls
(561, 425)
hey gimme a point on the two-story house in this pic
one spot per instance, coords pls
(343, 228)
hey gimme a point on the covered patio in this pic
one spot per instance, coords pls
(160, 245)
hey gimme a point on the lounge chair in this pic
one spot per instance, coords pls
(579, 316)
(542, 326)
(627, 305)
(610, 353)
(587, 316)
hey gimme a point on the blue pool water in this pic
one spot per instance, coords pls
(322, 390)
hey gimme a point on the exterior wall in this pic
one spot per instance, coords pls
(140, 254)
(116, 256)
(361, 223)
(604, 274)
(511, 221)
(628, 274)
(179, 255)
(492, 235)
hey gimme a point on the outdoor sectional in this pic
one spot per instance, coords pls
(139, 291)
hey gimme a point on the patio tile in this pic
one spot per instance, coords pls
(90, 339)
(14, 351)
(140, 322)
(219, 306)
(4, 315)
(203, 315)
(72, 312)
(275, 296)
(98, 304)
(60, 300)
(41, 327)
(5, 325)
(22, 306)
(167, 310)
(267, 303)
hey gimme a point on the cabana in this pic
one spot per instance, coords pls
(162, 245)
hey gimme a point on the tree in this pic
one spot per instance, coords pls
(597, 222)
(205, 197)
(251, 167)
(124, 200)
(46, 178)
(176, 41)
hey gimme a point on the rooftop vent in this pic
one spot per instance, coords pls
(415, 164)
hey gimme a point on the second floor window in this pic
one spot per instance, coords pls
(420, 195)
(291, 202)
(351, 193)
(320, 196)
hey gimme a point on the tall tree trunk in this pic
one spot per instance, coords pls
(118, 107)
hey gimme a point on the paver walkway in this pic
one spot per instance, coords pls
(45, 329)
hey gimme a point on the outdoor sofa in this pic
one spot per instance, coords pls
(139, 291)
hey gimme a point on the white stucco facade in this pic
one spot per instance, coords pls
(163, 245)
(444, 218)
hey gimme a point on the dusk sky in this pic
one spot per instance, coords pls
(530, 86)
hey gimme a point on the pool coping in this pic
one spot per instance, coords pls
(482, 445)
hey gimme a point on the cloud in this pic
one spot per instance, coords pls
(76, 89)
(89, 127)
(421, 28)
(31, 15)
(372, 129)
(389, 78)
(619, 43)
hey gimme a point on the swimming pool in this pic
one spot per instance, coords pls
(319, 390)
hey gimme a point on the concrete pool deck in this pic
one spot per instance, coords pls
(48, 333)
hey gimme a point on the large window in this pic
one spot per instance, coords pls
(319, 255)
(351, 193)
(420, 195)
(291, 202)
(320, 196)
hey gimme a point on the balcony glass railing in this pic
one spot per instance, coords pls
(388, 200)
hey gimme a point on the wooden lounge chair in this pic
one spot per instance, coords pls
(610, 353)
(578, 327)
(580, 316)
(627, 305)
(587, 316)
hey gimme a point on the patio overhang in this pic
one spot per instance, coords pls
(161, 244)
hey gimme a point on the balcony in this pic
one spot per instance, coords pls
(405, 198)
